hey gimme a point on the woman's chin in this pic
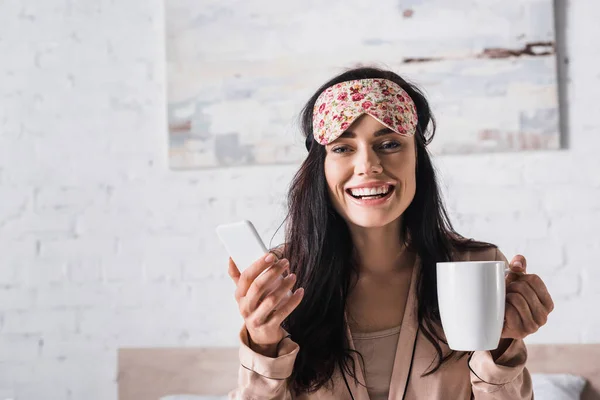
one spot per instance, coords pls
(371, 220)
(367, 217)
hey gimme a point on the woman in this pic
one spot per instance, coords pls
(365, 229)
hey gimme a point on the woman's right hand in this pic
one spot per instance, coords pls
(257, 296)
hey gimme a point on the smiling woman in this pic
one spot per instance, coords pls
(365, 229)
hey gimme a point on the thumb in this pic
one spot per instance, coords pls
(517, 268)
(518, 264)
(233, 271)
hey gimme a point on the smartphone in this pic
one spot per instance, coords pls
(244, 245)
(242, 242)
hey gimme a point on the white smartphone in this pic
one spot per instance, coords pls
(244, 245)
(242, 242)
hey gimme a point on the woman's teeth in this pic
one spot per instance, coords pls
(370, 193)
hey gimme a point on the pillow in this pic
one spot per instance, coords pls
(557, 386)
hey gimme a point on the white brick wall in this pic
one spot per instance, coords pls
(102, 246)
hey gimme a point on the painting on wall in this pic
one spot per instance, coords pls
(239, 73)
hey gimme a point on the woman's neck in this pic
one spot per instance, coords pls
(379, 251)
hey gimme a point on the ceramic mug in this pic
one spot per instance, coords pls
(471, 298)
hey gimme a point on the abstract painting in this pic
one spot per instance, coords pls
(239, 73)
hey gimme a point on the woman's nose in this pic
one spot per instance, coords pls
(368, 163)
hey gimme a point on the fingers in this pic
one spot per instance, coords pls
(267, 306)
(541, 291)
(233, 271)
(287, 307)
(528, 302)
(513, 325)
(512, 277)
(523, 321)
(537, 310)
(519, 265)
(258, 288)
(250, 274)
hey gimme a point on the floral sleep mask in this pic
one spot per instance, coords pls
(339, 105)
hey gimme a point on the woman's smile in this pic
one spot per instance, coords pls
(373, 194)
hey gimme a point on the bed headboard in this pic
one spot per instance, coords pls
(150, 373)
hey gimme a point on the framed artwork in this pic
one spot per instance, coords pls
(239, 73)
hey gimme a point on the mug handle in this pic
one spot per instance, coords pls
(507, 271)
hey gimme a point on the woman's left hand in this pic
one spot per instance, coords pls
(528, 302)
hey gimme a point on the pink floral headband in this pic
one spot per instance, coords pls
(339, 105)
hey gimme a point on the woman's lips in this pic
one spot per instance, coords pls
(371, 202)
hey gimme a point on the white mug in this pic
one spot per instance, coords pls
(471, 298)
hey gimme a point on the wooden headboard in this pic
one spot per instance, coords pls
(150, 373)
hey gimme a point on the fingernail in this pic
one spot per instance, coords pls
(291, 276)
(299, 291)
(518, 265)
(270, 257)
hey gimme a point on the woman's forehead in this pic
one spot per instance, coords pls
(367, 126)
(366, 121)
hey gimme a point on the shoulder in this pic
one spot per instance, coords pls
(479, 251)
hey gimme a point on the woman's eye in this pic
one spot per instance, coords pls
(341, 149)
(390, 145)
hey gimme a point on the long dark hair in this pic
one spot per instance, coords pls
(319, 247)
